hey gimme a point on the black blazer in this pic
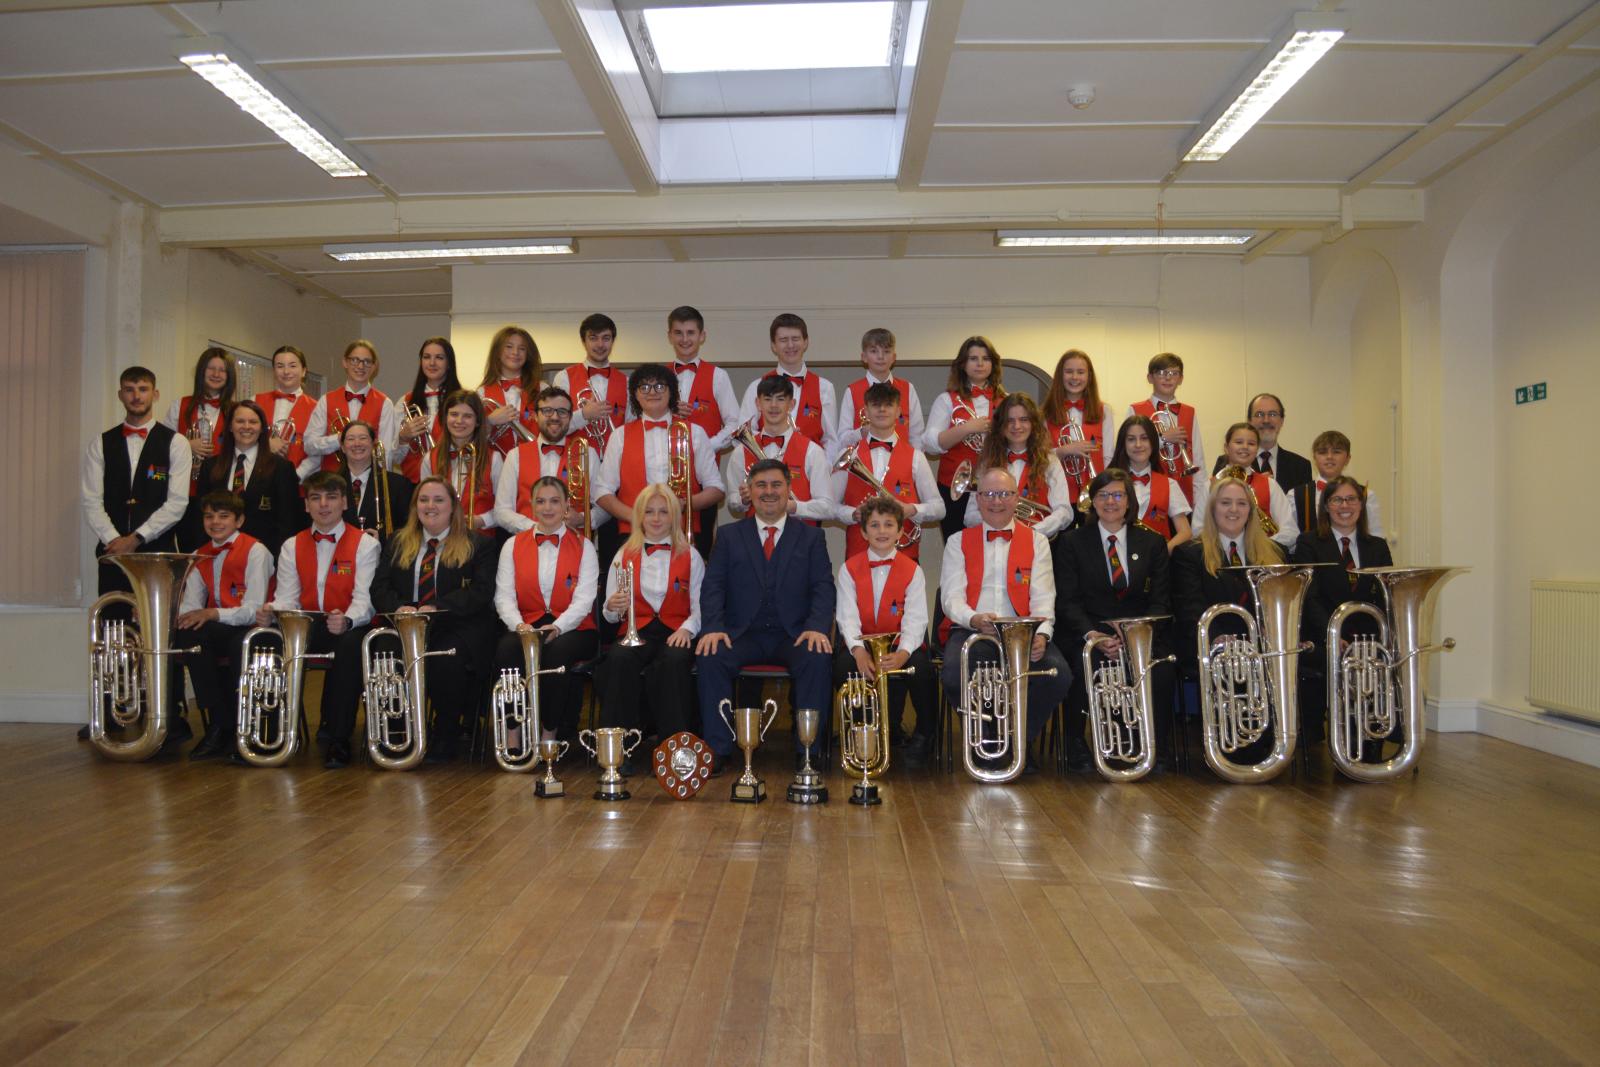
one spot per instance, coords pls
(797, 582)
(1194, 590)
(1289, 468)
(273, 510)
(1084, 597)
(364, 513)
(1330, 586)
(466, 595)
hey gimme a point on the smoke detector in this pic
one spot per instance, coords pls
(1080, 96)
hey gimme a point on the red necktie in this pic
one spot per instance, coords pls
(1016, 457)
(662, 547)
(238, 474)
(662, 425)
(1142, 479)
(679, 368)
(1349, 560)
(129, 431)
(765, 439)
(427, 578)
(355, 489)
(328, 537)
(1119, 577)
(545, 539)
(999, 535)
(771, 543)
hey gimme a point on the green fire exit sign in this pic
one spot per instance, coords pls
(1527, 394)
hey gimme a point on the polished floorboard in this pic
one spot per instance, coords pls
(179, 913)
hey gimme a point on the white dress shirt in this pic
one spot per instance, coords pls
(257, 575)
(506, 515)
(821, 507)
(489, 519)
(995, 598)
(179, 461)
(847, 612)
(1197, 450)
(280, 412)
(721, 389)
(942, 415)
(1058, 494)
(656, 440)
(582, 603)
(654, 573)
(826, 399)
(319, 442)
(1177, 503)
(288, 596)
(850, 433)
(600, 382)
(930, 506)
(1281, 509)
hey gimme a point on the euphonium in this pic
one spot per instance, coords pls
(380, 486)
(268, 726)
(679, 471)
(1250, 683)
(396, 698)
(1376, 681)
(1121, 704)
(1175, 458)
(1003, 687)
(415, 411)
(864, 703)
(515, 705)
(128, 678)
(850, 460)
(1233, 470)
(630, 638)
(578, 479)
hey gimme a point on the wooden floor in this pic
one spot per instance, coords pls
(169, 912)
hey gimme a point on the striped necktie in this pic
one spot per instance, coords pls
(427, 579)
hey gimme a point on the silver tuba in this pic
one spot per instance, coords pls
(1250, 683)
(515, 706)
(1121, 704)
(396, 698)
(127, 665)
(1377, 681)
(1001, 732)
(270, 681)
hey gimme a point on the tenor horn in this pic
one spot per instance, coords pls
(127, 660)
(850, 460)
(1175, 458)
(267, 729)
(1233, 470)
(998, 735)
(1376, 683)
(1121, 702)
(395, 693)
(514, 707)
(864, 703)
(1249, 683)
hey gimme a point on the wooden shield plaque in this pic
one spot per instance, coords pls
(682, 764)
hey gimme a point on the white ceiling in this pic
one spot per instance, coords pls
(452, 101)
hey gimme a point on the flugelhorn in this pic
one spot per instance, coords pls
(1234, 470)
(1121, 704)
(514, 706)
(516, 425)
(851, 461)
(746, 435)
(1250, 683)
(395, 693)
(866, 703)
(999, 734)
(1376, 683)
(415, 411)
(1175, 458)
(630, 637)
(267, 729)
(127, 660)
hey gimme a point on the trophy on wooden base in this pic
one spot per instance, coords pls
(807, 787)
(748, 731)
(550, 786)
(609, 750)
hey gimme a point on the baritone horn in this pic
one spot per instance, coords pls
(128, 676)
(1121, 703)
(267, 729)
(395, 693)
(578, 479)
(1175, 457)
(1376, 684)
(850, 460)
(1250, 683)
(680, 471)
(1000, 733)
(514, 707)
(864, 703)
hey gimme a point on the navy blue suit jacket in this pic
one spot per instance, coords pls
(739, 574)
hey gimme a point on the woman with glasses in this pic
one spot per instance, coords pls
(356, 399)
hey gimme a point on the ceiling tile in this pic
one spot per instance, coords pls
(1355, 86)
(1278, 154)
(1548, 79)
(306, 29)
(1522, 22)
(1435, 154)
(223, 177)
(497, 167)
(1124, 20)
(107, 38)
(972, 157)
(175, 112)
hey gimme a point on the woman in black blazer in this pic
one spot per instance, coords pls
(273, 510)
(1092, 589)
(433, 565)
(359, 470)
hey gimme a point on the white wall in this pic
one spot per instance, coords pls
(399, 337)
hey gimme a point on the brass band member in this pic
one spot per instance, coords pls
(367, 508)
(200, 415)
(436, 379)
(511, 379)
(650, 687)
(960, 418)
(548, 457)
(289, 411)
(465, 458)
(878, 358)
(1021, 447)
(1331, 454)
(435, 566)
(1074, 400)
(897, 464)
(705, 398)
(356, 399)
(1239, 448)
(265, 483)
(815, 405)
(1165, 376)
(599, 391)
(546, 580)
(1163, 507)
(810, 481)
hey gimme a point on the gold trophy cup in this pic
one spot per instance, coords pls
(550, 786)
(807, 787)
(748, 731)
(610, 748)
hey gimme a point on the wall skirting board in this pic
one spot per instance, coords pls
(1571, 739)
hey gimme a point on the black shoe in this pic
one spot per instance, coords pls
(1032, 766)
(212, 746)
(443, 750)
(1078, 758)
(337, 757)
(179, 733)
(917, 747)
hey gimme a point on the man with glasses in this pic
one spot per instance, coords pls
(1265, 412)
(550, 456)
(996, 570)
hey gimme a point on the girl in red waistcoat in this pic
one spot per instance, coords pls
(1162, 504)
(464, 426)
(511, 380)
(1019, 445)
(288, 410)
(960, 419)
(436, 379)
(200, 415)
(1074, 399)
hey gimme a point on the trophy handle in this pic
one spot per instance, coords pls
(771, 708)
(724, 711)
(627, 749)
(586, 746)
(561, 753)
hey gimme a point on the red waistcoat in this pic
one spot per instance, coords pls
(675, 606)
(299, 412)
(1019, 569)
(960, 411)
(858, 391)
(1157, 513)
(888, 615)
(230, 592)
(808, 405)
(503, 439)
(898, 478)
(704, 411)
(1185, 414)
(411, 466)
(794, 457)
(632, 477)
(569, 561)
(616, 400)
(339, 588)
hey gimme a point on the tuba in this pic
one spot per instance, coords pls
(396, 698)
(1233, 470)
(851, 461)
(1000, 733)
(1121, 711)
(866, 704)
(1250, 683)
(1175, 458)
(1376, 684)
(415, 411)
(515, 705)
(680, 470)
(268, 727)
(126, 677)
(630, 638)
(578, 479)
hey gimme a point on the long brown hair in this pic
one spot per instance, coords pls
(229, 387)
(1055, 399)
(480, 438)
(958, 382)
(221, 464)
(995, 446)
(1325, 521)
(456, 551)
(1257, 545)
(532, 367)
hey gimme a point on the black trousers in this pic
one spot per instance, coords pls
(919, 686)
(607, 541)
(453, 683)
(652, 685)
(214, 671)
(955, 513)
(1044, 691)
(1162, 677)
(341, 684)
(707, 533)
(560, 695)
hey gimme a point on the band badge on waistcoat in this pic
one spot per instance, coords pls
(342, 568)
(155, 473)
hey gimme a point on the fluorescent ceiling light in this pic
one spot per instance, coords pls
(451, 249)
(208, 57)
(689, 40)
(1309, 39)
(1121, 239)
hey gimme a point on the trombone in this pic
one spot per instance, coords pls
(679, 470)
(514, 707)
(578, 479)
(395, 693)
(1000, 734)
(1175, 458)
(466, 483)
(865, 704)
(1121, 703)
(851, 461)
(380, 486)
(267, 730)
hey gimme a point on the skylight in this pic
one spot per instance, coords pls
(739, 37)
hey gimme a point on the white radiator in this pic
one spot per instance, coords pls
(1564, 653)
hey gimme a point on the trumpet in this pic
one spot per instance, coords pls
(578, 479)
(514, 707)
(380, 486)
(864, 703)
(516, 425)
(1175, 458)
(1121, 704)
(396, 698)
(631, 638)
(127, 678)
(267, 730)
(1029, 512)
(679, 470)
(1250, 683)
(999, 734)
(1233, 470)
(850, 460)
(1377, 681)
(414, 411)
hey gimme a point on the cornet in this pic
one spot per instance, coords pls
(865, 704)
(1174, 457)
(396, 697)
(514, 707)
(1121, 704)
(1377, 681)
(599, 430)
(631, 638)
(415, 411)
(1000, 733)
(267, 729)
(1250, 683)
(849, 460)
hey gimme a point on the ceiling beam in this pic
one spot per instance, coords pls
(1271, 241)
(296, 280)
(12, 7)
(927, 88)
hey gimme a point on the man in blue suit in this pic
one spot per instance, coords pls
(767, 597)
